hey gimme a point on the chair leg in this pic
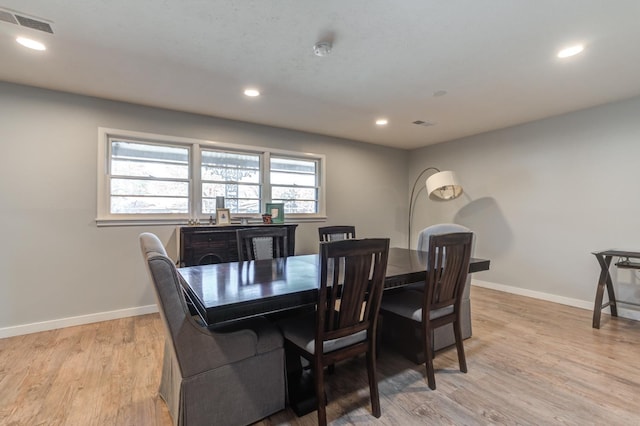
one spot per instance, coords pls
(379, 334)
(373, 383)
(457, 331)
(428, 359)
(320, 396)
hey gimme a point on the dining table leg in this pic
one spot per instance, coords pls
(301, 393)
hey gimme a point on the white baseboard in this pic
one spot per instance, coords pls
(584, 304)
(142, 310)
(35, 327)
(623, 311)
(631, 313)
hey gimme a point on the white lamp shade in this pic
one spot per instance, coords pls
(443, 186)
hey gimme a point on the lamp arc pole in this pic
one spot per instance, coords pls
(414, 196)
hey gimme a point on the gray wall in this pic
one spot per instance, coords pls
(543, 196)
(58, 268)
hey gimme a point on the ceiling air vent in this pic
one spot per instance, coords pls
(19, 18)
(7, 17)
(424, 123)
(32, 23)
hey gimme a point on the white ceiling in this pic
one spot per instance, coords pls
(494, 58)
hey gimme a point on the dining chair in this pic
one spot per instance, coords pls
(423, 242)
(336, 233)
(232, 374)
(262, 243)
(351, 276)
(440, 302)
(442, 337)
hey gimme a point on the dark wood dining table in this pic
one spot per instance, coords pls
(228, 291)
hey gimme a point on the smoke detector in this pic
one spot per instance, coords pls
(322, 48)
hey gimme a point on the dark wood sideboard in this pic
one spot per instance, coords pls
(202, 245)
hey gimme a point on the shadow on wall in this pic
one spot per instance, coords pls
(173, 245)
(484, 217)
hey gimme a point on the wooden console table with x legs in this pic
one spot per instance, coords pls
(604, 259)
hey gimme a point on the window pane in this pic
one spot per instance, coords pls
(149, 187)
(279, 164)
(295, 183)
(148, 205)
(235, 176)
(299, 206)
(227, 166)
(279, 178)
(156, 161)
(148, 178)
(293, 193)
(243, 206)
(230, 190)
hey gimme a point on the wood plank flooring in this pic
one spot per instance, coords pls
(530, 363)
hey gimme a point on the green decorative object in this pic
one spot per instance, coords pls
(276, 210)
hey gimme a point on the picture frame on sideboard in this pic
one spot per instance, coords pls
(223, 217)
(276, 210)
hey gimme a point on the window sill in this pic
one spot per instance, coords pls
(103, 223)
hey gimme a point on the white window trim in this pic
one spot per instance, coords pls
(105, 218)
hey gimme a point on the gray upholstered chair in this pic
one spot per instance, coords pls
(440, 302)
(233, 375)
(404, 338)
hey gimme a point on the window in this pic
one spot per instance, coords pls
(148, 178)
(234, 176)
(294, 182)
(161, 179)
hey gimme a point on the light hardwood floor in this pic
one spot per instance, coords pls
(530, 363)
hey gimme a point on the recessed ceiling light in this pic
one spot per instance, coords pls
(382, 122)
(252, 92)
(31, 44)
(570, 51)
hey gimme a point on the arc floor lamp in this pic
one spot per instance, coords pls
(441, 186)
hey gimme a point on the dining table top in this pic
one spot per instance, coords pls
(227, 291)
